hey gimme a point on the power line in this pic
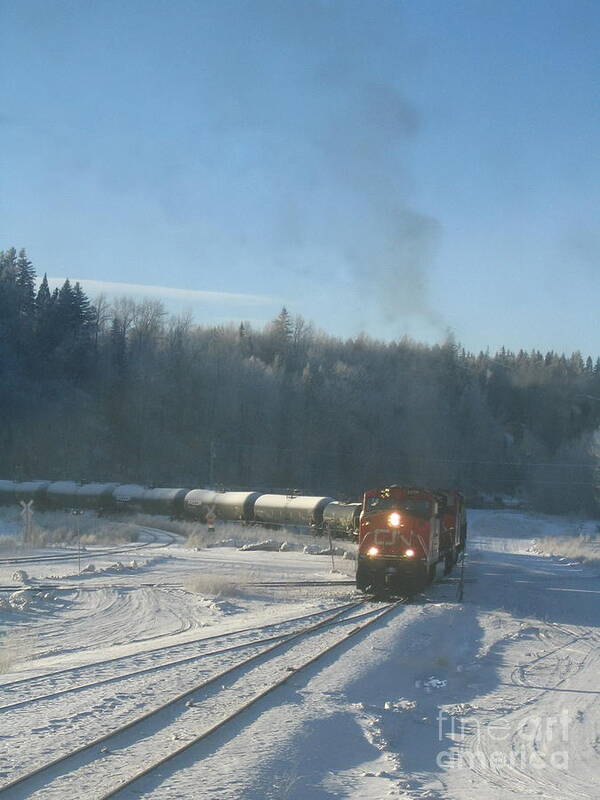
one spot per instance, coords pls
(410, 459)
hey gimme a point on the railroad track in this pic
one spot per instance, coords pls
(278, 584)
(176, 654)
(162, 734)
(45, 586)
(161, 539)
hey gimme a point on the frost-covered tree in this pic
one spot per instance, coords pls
(118, 391)
(25, 284)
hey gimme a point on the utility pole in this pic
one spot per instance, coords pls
(331, 551)
(77, 512)
(212, 458)
(461, 584)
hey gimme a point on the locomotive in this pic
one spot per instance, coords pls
(406, 535)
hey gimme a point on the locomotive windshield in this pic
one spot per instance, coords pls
(410, 505)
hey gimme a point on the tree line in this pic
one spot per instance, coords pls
(120, 391)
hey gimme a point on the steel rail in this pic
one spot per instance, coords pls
(133, 548)
(162, 648)
(37, 771)
(148, 670)
(244, 707)
(63, 587)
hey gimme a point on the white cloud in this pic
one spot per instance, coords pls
(167, 294)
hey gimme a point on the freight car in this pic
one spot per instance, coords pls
(341, 519)
(31, 490)
(197, 503)
(128, 497)
(235, 506)
(8, 493)
(281, 509)
(402, 543)
(61, 493)
(97, 496)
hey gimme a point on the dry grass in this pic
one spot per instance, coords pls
(344, 567)
(59, 527)
(12, 651)
(7, 658)
(579, 548)
(217, 585)
(9, 543)
(197, 534)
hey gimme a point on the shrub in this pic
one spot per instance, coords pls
(215, 585)
(579, 548)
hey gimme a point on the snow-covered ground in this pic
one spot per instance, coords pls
(495, 697)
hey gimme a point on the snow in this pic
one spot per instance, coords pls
(495, 697)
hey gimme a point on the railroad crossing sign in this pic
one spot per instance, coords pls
(211, 518)
(27, 515)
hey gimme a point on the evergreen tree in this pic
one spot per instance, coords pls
(133, 397)
(283, 327)
(45, 332)
(11, 330)
(43, 299)
(85, 313)
(66, 309)
(25, 283)
(8, 265)
(280, 339)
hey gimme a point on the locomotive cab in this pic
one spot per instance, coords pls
(399, 540)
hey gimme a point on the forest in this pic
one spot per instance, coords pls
(121, 391)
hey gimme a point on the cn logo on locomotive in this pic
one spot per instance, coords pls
(391, 536)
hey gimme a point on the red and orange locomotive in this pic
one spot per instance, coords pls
(405, 533)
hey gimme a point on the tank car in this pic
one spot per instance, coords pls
(281, 509)
(197, 502)
(32, 490)
(235, 506)
(62, 494)
(129, 497)
(98, 496)
(164, 501)
(399, 544)
(8, 493)
(341, 519)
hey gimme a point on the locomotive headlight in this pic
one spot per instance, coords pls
(394, 520)
(373, 551)
(409, 553)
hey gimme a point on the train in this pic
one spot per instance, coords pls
(320, 515)
(408, 535)
(405, 535)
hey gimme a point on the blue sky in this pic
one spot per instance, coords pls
(386, 167)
